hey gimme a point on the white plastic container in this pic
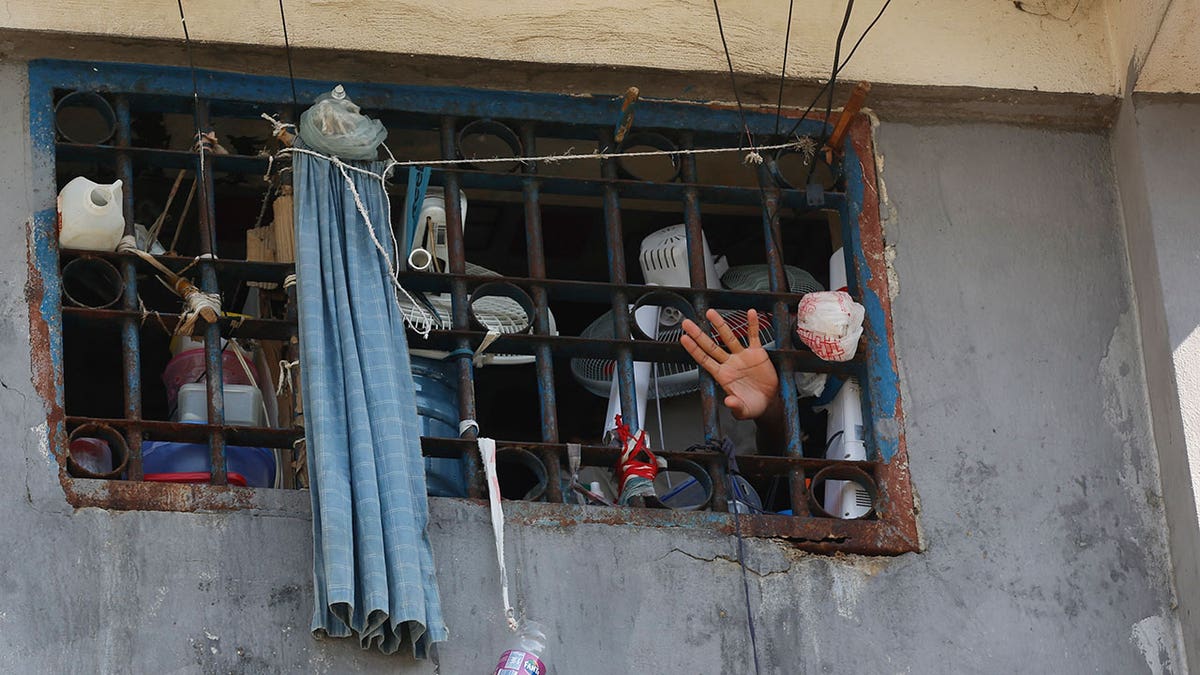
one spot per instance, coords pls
(243, 404)
(433, 208)
(90, 215)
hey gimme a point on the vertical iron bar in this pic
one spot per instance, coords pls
(614, 239)
(535, 255)
(696, 269)
(460, 309)
(214, 377)
(131, 351)
(291, 313)
(787, 384)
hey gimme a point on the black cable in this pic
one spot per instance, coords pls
(204, 196)
(787, 38)
(837, 56)
(732, 473)
(187, 41)
(732, 78)
(840, 66)
(287, 45)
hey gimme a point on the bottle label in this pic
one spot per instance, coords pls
(517, 662)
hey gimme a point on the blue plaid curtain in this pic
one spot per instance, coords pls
(373, 568)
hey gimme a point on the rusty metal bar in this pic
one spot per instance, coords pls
(214, 376)
(131, 350)
(696, 269)
(460, 308)
(536, 260)
(615, 247)
(512, 343)
(474, 179)
(780, 317)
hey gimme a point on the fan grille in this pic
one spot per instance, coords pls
(500, 314)
(675, 379)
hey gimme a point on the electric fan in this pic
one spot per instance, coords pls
(664, 262)
(844, 429)
(497, 313)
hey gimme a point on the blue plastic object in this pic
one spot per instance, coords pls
(257, 465)
(437, 407)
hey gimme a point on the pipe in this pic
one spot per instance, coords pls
(420, 259)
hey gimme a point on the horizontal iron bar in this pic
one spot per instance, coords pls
(599, 111)
(267, 329)
(756, 466)
(445, 340)
(160, 430)
(600, 292)
(486, 180)
(228, 270)
(642, 350)
(161, 157)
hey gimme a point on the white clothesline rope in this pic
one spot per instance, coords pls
(804, 144)
(753, 155)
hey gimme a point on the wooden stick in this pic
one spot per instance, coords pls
(857, 98)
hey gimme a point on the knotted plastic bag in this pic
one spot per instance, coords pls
(830, 323)
(334, 126)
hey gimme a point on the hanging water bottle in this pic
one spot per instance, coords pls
(525, 657)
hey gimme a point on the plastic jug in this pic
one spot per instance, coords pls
(90, 215)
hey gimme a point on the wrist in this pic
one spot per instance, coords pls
(774, 409)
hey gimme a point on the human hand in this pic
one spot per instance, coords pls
(745, 373)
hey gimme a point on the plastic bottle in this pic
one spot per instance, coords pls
(525, 656)
(91, 215)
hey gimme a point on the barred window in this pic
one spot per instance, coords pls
(537, 272)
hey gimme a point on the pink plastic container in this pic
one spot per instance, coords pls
(188, 367)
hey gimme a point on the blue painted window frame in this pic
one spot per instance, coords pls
(881, 390)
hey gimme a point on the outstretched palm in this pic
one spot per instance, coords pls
(745, 373)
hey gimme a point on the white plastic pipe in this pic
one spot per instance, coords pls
(420, 259)
(647, 320)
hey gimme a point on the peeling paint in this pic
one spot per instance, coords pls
(41, 436)
(1139, 472)
(1156, 637)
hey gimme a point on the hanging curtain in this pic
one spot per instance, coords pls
(373, 568)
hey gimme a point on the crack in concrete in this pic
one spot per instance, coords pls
(18, 392)
(724, 558)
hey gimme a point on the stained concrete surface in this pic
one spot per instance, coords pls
(1156, 148)
(1027, 432)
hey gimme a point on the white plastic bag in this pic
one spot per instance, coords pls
(830, 323)
(334, 126)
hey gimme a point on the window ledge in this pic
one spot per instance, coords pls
(818, 535)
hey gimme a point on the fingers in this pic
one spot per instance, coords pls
(700, 356)
(736, 406)
(704, 343)
(752, 328)
(731, 342)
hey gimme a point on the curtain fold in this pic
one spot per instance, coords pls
(373, 572)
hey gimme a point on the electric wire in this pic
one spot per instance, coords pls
(840, 66)
(787, 38)
(201, 143)
(728, 446)
(837, 55)
(732, 78)
(287, 46)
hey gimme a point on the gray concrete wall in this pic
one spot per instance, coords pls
(1155, 146)
(1027, 429)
